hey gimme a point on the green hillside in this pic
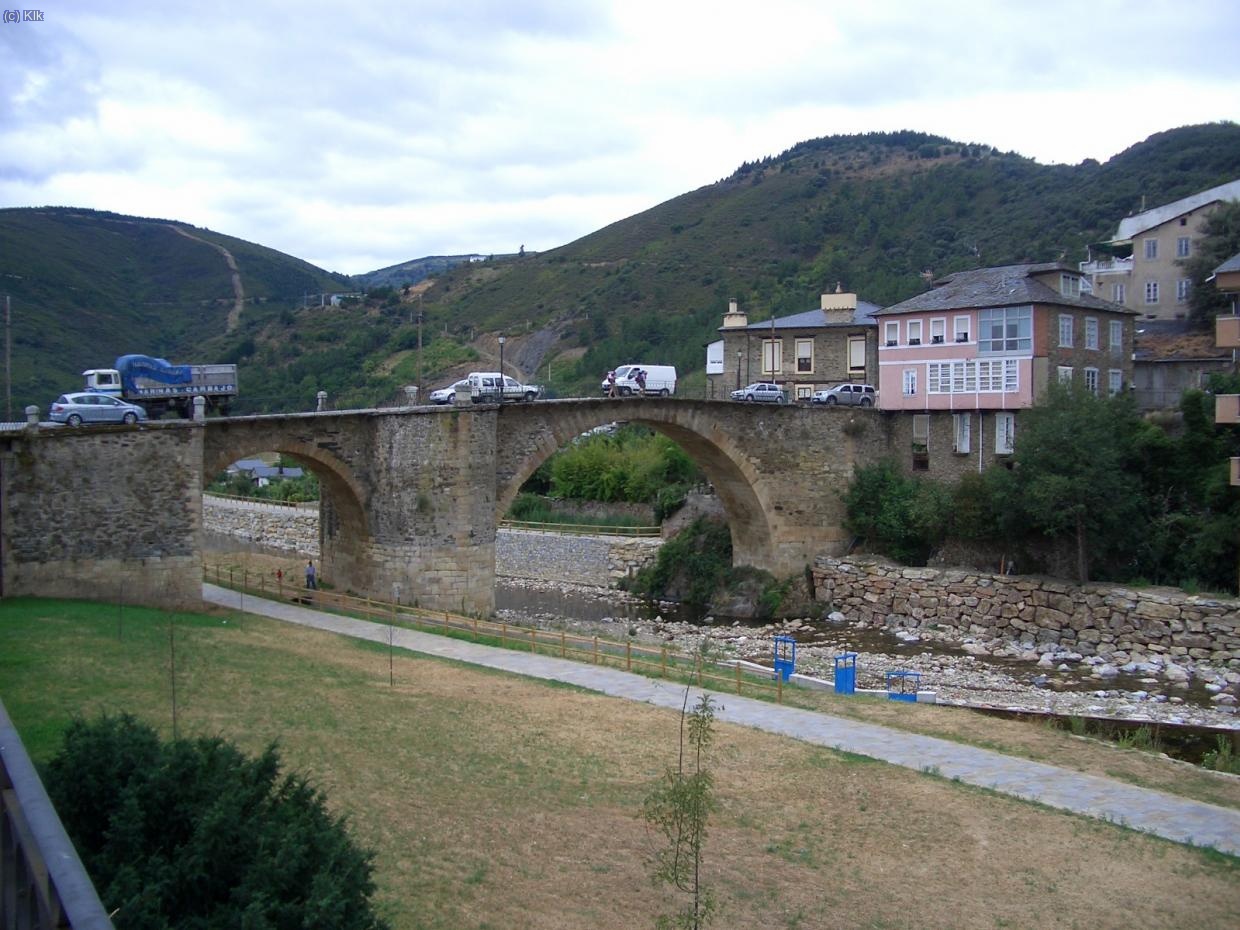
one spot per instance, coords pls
(87, 286)
(877, 213)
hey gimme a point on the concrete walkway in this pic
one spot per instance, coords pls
(1167, 816)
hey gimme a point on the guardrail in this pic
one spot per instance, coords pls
(257, 502)
(656, 662)
(42, 881)
(581, 529)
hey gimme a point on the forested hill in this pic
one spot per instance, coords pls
(876, 212)
(87, 286)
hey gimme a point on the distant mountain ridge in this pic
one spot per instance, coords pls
(412, 271)
(874, 212)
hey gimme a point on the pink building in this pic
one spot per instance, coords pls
(988, 341)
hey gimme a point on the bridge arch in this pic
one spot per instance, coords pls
(528, 435)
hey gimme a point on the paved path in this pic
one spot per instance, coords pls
(1139, 808)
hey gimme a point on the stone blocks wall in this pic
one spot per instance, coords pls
(103, 513)
(600, 561)
(273, 527)
(1118, 624)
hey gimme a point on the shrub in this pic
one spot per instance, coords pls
(193, 834)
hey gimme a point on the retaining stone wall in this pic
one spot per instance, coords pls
(1116, 623)
(273, 527)
(590, 560)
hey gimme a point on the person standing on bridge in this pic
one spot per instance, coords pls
(640, 378)
(611, 384)
(310, 575)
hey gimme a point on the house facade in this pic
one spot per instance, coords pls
(1139, 268)
(963, 359)
(803, 353)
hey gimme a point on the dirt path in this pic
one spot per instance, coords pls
(234, 315)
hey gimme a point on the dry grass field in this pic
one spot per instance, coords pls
(497, 802)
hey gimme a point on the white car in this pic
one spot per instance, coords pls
(447, 395)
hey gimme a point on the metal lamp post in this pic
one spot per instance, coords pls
(738, 369)
(502, 340)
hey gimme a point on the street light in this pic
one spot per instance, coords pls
(738, 369)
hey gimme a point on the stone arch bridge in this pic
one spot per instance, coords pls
(410, 496)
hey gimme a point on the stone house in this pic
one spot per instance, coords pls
(1139, 268)
(805, 352)
(960, 361)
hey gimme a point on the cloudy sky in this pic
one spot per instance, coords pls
(361, 135)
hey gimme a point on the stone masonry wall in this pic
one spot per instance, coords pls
(278, 528)
(600, 561)
(1120, 625)
(104, 513)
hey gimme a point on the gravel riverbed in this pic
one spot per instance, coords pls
(961, 672)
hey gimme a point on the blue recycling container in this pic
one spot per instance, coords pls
(785, 656)
(903, 685)
(846, 673)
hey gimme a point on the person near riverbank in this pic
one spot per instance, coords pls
(310, 582)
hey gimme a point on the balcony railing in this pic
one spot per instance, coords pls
(42, 882)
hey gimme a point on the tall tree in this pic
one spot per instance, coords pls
(1072, 476)
(1221, 240)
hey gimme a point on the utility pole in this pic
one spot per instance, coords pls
(420, 348)
(8, 362)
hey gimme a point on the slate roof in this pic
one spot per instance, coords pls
(817, 319)
(1232, 264)
(1004, 286)
(1135, 225)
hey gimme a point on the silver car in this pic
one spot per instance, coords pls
(447, 395)
(761, 391)
(91, 407)
(860, 395)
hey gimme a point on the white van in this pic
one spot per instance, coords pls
(660, 380)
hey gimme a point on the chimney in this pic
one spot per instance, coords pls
(839, 307)
(734, 319)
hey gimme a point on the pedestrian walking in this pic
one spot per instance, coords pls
(640, 377)
(611, 384)
(310, 575)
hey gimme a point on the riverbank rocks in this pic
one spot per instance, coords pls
(1158, 630)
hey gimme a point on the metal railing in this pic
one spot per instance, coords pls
(258, 503)
(656, 662)
(581, 529)
(42, 882)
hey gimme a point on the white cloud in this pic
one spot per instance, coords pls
(362, 137)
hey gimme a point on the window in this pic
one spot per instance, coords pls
(1183, 247)
(772, 356)
(1069, 285)
(938, 331)
(1091, 380)
(997, 375)
(1005, 433)
(921, 431)
(1116, 337)
(1115, 381)
(1151, 292)
(910, 382)
(1065, 330)
(1119, 293)
(1151, 249)
(914, 332)
(960, 432)
(891, 333)
(856, 355)
(1091, 333)
(805, 391)
(1009, 329)
(1065, 374)
(960, 326)
(1181, 290)
(805, 355)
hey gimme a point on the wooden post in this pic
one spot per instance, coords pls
(779, 689)
(628, 657)
(738, 678)
(533, 642)
(503, 634)
(563, 647)
(663, 662)
(697, 661)
(475, 628)
(596, 650)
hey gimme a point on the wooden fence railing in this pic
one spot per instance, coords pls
(656, 662)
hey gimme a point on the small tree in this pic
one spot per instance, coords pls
(679, 807)
(192, 834)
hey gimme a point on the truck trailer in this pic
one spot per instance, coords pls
(159, 386)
